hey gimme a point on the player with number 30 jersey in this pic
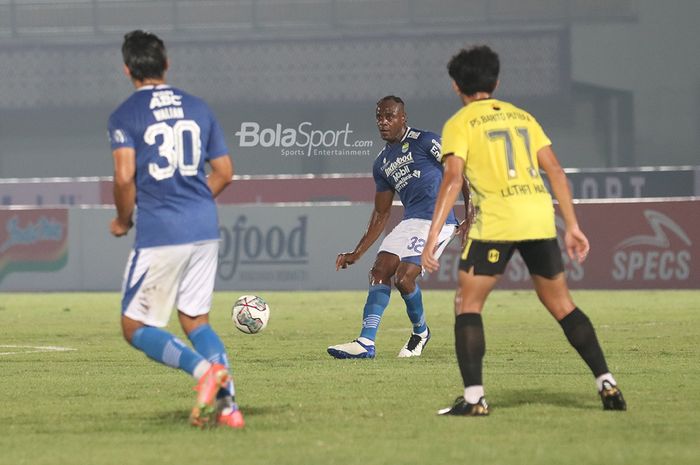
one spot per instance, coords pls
(161, 139)
(173, 134)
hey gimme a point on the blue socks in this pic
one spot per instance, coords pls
(414, 309)
(165, 348)
(377, 300)
(208, 344)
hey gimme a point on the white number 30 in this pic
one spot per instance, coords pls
(172, 148)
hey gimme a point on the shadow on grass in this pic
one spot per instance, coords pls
(519, 397)
(171, 417)
(180, 416)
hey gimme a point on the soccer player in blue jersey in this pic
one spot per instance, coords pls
(408, 165)
(161, 138)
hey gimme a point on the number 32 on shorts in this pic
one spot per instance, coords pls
(416, 244)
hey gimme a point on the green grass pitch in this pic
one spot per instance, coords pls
(106, 403)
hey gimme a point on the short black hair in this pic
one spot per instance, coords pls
(393, 98)
(144, 55)
(475, 70)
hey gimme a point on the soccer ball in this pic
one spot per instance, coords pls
(250, 314)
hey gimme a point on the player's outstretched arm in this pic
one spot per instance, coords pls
(221, 174)
(377, 222)
(452, 182)
(576, 242)
(124, 190)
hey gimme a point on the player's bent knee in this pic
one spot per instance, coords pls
(190, 323)
(470, 300)
(560, 311)
(128, 334)
(129, 327)
(469, 306)
(380, 276)
(405, 283)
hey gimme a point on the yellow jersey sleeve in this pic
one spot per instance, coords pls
(455, 138)
(539, 138)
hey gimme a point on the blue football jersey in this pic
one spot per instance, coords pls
(173, 134)
(412, 168)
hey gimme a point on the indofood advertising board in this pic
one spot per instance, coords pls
(266, 247)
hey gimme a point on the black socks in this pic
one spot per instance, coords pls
(470, 347)
(580, 333)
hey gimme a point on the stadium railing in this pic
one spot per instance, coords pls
(591, 183)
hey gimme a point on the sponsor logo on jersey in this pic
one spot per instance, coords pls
(397, 164)
(166, 104)
(413, 134)
(436, 149)
(165, 98)
(400, 172)
(665, 254)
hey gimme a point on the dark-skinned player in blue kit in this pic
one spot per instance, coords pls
(408, 165)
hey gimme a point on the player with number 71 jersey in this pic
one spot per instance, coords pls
(173, 135)
(501, 142)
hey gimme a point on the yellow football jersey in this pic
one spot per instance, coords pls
(499, 142)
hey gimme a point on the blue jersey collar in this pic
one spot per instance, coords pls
(405, 134)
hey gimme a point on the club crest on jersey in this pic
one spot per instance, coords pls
(493, 256)
(404, 147)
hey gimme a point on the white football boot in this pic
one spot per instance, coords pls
(354, 349)
(414, 346)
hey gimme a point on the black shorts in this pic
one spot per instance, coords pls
(542, 257)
